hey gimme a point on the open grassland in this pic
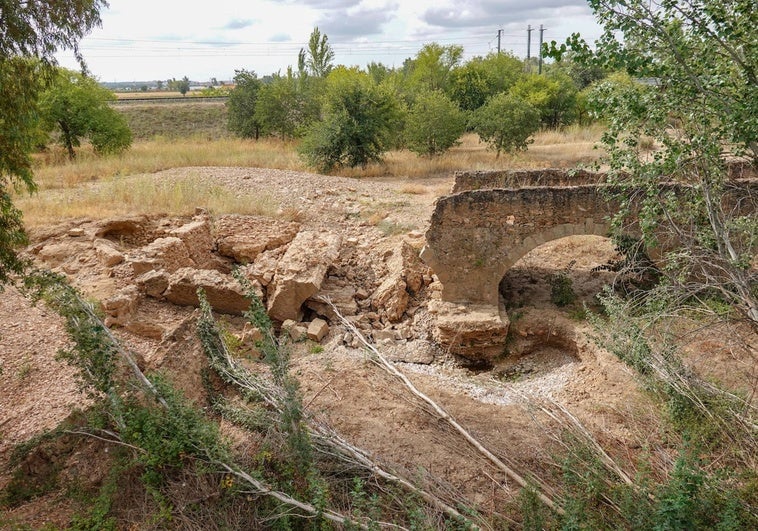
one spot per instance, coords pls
(94, 186)
(139, 194)
(153, 95)
(205, 119)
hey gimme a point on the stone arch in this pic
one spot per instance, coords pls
(556, 232)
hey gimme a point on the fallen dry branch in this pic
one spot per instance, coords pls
(326, 439)
(444, 415)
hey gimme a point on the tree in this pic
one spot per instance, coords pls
(699, 102)
(318, 60)
(553, 95)
(434, 124)
(183, 86)
(359, 121)
(286, 106)
(481, 78)
(505, 123)
(78, 107)
(431, 68)
(242, 103)
(31, 34)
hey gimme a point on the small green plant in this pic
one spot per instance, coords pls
(315, 348)
(562, 287)
(391, 228)
(25, 370)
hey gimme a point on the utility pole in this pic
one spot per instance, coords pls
(542, 30)
(528, 42)
(499, 34)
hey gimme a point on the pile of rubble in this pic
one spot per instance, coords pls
(298, 273)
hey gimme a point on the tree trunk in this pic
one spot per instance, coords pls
(67, 140)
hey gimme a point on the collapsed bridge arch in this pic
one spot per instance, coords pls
(494, 218)
(475, 236)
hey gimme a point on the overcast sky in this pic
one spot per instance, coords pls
(144, 40)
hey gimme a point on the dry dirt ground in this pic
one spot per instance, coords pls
(551, 358)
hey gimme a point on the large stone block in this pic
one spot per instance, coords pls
(224, 294)
(197, 238)
(475, 332)
(243, 238)
(300, 272)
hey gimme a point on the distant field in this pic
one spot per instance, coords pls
(202, 119)
(139, 94)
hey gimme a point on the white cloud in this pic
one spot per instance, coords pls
(144, 40)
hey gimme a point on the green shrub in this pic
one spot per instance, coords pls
(505, 123)
(434, 124)
(359, 123)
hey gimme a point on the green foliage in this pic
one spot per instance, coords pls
(553, 95)
(692, 496)
(24, 487)
(286, 106)
(430, 69)
(77, 107)
(433, 124)
(182, 85)
(170, 435)
(318, 59)
(562, 287)
(695, 93)
(39, 29)
(505, 123)
(96, 516)
(562, 290)
(358, 123)
(473, 83)
(241, 105)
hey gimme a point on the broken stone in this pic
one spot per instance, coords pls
(295, 330)
(164, 253)
(391, 298)
(243, 238)
(342, 296)
(264, 266)
(300, 272)
(196, 237)
(385, 335)
(224, 294)
(153, 283)
(420, 351)
(120, 307)
(108, 255)
(148, 329)
(55, 254)
(317, 329)
(478, 333)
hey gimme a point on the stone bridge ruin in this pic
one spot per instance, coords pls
(493, 219)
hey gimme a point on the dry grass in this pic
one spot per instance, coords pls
(141, 194)
(95, 186)
(152, 95)
(202, 119)
(567, 148)
(54, 170)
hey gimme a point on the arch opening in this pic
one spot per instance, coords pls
(530, 280)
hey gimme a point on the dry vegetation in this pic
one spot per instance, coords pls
(114, 185)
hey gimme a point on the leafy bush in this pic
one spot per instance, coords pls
(505, 123)
(434, 124)
(77, 106)
(359, 121)
(242, 101)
